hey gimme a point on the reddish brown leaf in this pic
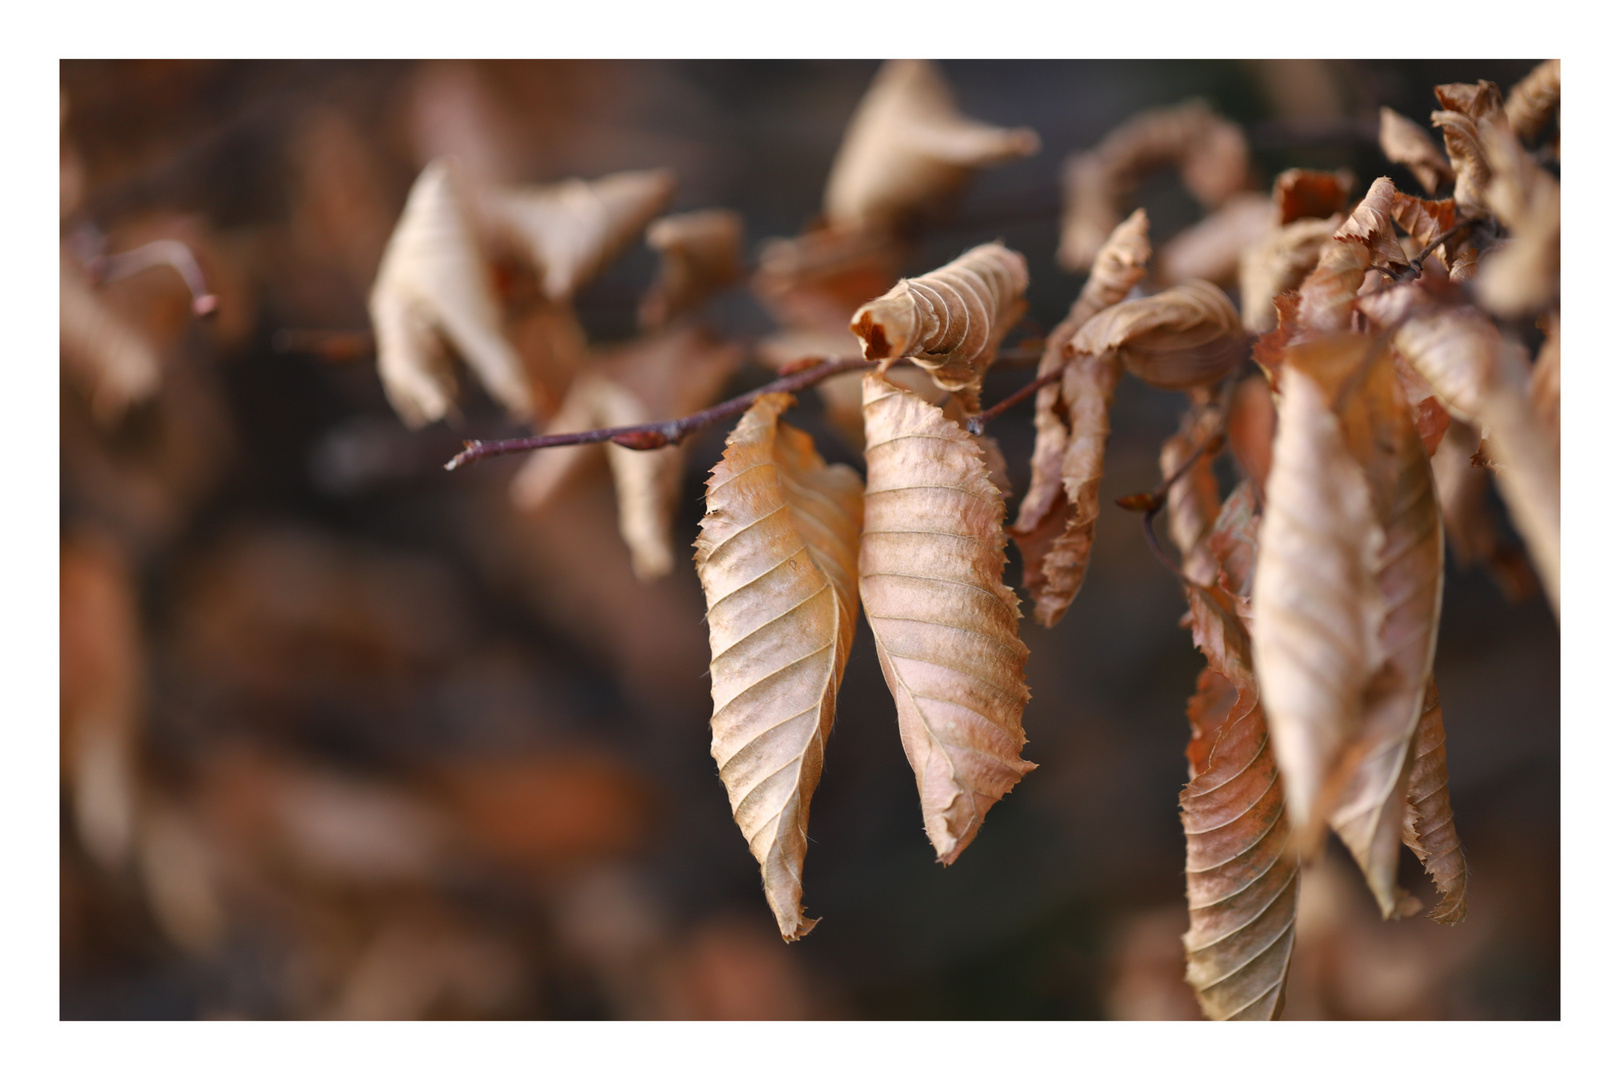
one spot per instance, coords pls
(1428, 827)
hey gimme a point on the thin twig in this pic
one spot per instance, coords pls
(171, 253)
(975, 423)
(655, 435)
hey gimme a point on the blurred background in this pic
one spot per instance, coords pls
(345, 735)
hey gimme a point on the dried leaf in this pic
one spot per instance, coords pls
(813, 282)
(1210, 250)
(572, 229)
(1211, 153)
(777, 559)
(1058, 550)
(945, 626)
(1461, 135)
(1409, 572)
(1242, 875)
(667, 375)
(1075, 408)
(1188, 335)
(950, 321)
(433, 282)
(1531, 102)
(1521, 277)
(1428, 827)
(1306, 193)
(1317, 606)
(701, 253)
(1277, 264)
(112, 362)
(1486, 380)
(1327, 297)
(1194, 499)
(1405, 142)
(907, 149)
(1423, 220)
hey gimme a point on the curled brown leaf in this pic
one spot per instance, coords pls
(1188, 335)
(1521, 277)
(1428, 827)
(1307, 193)
(1405, 142)
(950, 321)
(1277, 264)
(1074, 407)
(777, 559)
(433, 286)
(945, 626)
(907, 148)
(1210, 152)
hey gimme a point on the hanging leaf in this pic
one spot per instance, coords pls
(1317, 606)
(1405, 142)
(571, 230)
(1327, 297)
(432, 287)
(1428, 827)
(777, 559)
(908, 149)
(945, 626)
(1210, 152)
(1194, 499)
(1522, 276)
(1188, 335)
(950, 321)
(701, 253)
(1119, 266)
(1242, 876)
(1409, 571)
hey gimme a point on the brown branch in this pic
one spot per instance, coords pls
(655, 435)
(975, 423)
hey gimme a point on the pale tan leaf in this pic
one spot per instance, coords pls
(950, 321)
(1064, 412)
(1485, 379)
(1409, 572)
(1428, 827)
(433, 283)
(1531, 102)
(701, 253)
(1317, 606)
(1521, 277)
(1461, 135)
(945, 626)
(1188, 335)
(664, 376)
(907, 148)
(777, 559)
(115, 366)
(1277, 264)
(1210, 152)
(1405, 142)
(572, 229)
(1210, 250)
(1307, 193)
(1242, 874)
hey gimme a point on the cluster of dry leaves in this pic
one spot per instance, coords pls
(1393, 387)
